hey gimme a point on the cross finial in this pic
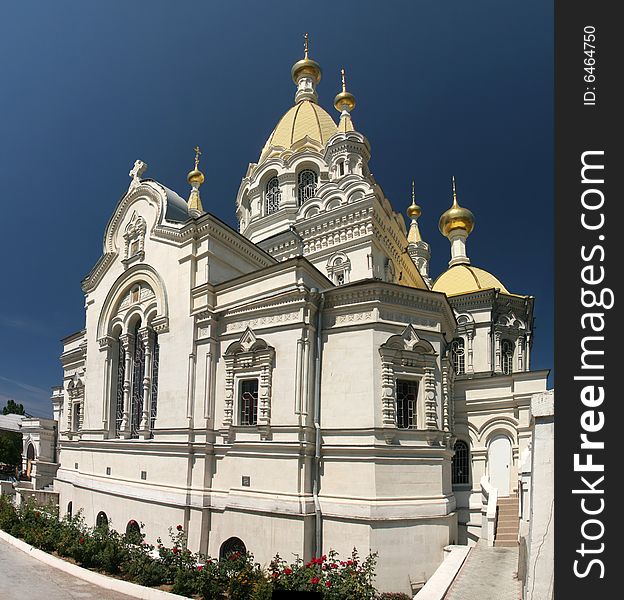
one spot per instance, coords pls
(197, 155)
(454, 191)
(305, 45)
(413, 193)
(344, 83)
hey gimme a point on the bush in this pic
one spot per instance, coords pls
(236, 577)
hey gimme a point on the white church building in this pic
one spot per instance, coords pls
(303, 383)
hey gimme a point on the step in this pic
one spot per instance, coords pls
(506, 529)
(506, 537)
(503, 519)
(505, 544)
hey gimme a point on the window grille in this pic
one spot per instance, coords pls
(406, 396)
(458, 354)
(155, 363)
(460, 465)
(121, 376)
(249, 402)
(507, 357)
(137, 383)
(307, 185)
(273, 195)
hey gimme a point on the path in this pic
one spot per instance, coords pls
(489, 573)
(25, 577)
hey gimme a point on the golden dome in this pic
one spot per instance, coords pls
(462, 279)
(456, 217)
(306, 66)
(304, 119)
(195, 176)
(413, 210)
(344, 100)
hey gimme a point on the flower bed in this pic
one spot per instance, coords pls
(236, 577)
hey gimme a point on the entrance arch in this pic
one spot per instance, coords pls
(499, 463)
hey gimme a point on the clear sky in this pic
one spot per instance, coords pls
(443, 88)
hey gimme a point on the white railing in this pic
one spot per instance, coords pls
(489, 499)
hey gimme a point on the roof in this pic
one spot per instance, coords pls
(11, 422)
(462, 279)
(306, 118)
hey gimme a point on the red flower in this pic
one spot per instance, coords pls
(314, 580)
(328, 584)
(174, 550)
(81, 541)
(275, 575)
(324, 557)
(37, 514)
(334, 566)
(179, 527)
(287, 571)
(349, 562)
(308, 564)
(200, 567)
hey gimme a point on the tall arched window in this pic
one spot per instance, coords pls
(507, 352)
(155, 363)
(70, 509)
(460, 465)
(137, 381)
(458, 355)
(121, 377)
(307, 185)
(273, 195)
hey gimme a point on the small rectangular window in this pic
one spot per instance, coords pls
(248, 402)
(406, 397)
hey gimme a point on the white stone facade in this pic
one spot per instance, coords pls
(293, 384)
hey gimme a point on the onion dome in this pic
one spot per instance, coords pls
(344, 100)
(195, 179)
(306, 66)
(456, 217)
(413, 210)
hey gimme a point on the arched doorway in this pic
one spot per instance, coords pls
(30, 457)
(231, 546)
(499, 463)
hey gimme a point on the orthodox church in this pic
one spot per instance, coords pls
(301, 384)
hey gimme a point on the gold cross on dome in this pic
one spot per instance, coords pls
(197, 155)
(305, 45)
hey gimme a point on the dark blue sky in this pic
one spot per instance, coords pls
(443, 88)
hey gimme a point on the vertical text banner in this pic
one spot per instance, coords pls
(589, 337)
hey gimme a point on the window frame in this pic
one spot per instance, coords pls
(242, 380)
(306, 191)
(413, 419)
(465, 462)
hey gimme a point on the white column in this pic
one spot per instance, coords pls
(146, 337)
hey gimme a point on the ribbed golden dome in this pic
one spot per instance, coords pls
(304, 119)
(456, 217)
(306, 66)
(462, 279)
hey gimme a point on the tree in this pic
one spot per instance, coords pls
(12, 408)
(10, 449)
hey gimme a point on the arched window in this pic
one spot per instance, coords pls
(155, 363)
(133, 532)
(119, 393)
(231, 546)
(101, 520)
(273, 195)
(70, 509)
(507, 357)
(460, 465)
(307, 185)
(458, 355)
(137, 381)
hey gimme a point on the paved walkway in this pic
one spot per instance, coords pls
(488, 574)
(25, 577)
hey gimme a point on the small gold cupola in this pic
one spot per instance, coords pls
(306, 73)
(344, 103)
(456, 224)
(417, 248)
(195, 179)
(456, 217)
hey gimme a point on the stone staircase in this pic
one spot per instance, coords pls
(507, 522)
